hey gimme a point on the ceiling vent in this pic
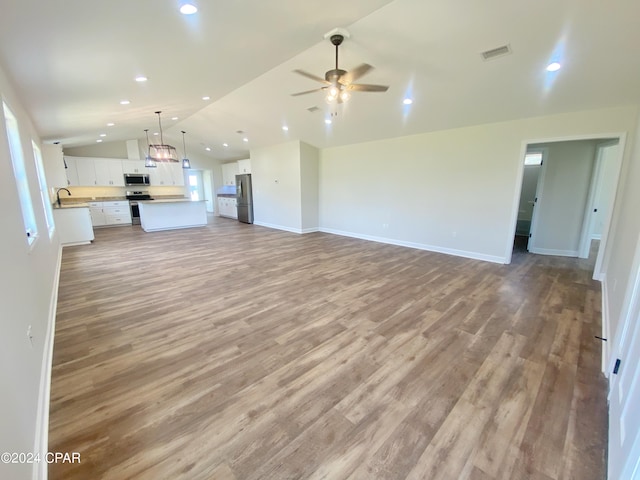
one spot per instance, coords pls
(496, 52)
(312, 109)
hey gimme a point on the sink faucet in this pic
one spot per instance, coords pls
(58, 194)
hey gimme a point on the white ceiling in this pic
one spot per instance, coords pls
(73, 61)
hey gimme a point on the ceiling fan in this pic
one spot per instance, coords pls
(338, 82)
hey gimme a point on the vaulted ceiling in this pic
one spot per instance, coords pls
(73, 61)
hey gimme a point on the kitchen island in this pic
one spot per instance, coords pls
(172, 214)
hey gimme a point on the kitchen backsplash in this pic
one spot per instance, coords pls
(97, 192)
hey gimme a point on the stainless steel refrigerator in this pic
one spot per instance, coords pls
(244, 198)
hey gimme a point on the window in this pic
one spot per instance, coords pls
(17, 158)
(44, 191)
(533, 158)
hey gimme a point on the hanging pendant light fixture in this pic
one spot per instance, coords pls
(185, 161)
(148, 161)
(162, 152)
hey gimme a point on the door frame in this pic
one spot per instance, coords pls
(538, 199)
(630, 330)
(622, 138)
(596, 184)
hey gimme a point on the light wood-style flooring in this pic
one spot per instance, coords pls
(240, 352)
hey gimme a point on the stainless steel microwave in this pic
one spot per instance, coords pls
(136, 179)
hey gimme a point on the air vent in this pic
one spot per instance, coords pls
(496, 52)
(312, 109)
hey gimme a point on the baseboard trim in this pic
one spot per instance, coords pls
(557, 253)
(419, 246)
(44, 395)
(278, 227)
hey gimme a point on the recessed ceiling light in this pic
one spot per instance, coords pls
(245, 139)
(225, 144)
(553, 67)
(188, 9)
(174, 118)
(124, 102)
(407, 101)
(327, 121)
(141, 78)
(208, 149)
(156, 133)
(103, 134)
(110, 124)
(206, 98)
(99, 140)
(285, 128)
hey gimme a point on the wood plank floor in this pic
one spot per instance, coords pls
(239, 352)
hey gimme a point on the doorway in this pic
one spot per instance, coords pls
(576, 176)
(196, 187)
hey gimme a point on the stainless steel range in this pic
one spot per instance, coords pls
(133, 197)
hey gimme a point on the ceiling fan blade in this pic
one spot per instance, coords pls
(360, 87)
(311, 76)
(356, 73)
(308, 91)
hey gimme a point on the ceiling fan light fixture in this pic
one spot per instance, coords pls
(344, 95)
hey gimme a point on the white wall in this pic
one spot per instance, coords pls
(453, 191)
(309, 165)
(275, 176)
(562, 201)
(28, 291)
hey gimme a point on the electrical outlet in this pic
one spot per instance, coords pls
(455, 234)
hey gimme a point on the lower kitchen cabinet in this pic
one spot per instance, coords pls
(227, 207)
(110, 213)
(73, 225)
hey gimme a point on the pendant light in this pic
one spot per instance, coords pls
(185, 161)
(148, 161)
(162, 152)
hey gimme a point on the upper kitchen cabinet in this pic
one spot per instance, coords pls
(71, 171)
(134, 166)
(244, 166)
(167, 174)
(92, 172)
(108, 172)
(229, 172)
(53, 162)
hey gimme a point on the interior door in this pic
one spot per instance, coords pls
(624, 396)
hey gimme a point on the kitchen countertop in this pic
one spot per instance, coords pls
(55, 206)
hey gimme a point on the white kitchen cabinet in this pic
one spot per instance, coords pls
(100, 172)
(115, 212)
(227, 207)
(134, 166)
(97, 215)
(244, 166)
(177, 174)
(86, 172)
(108, 172)
(167, 174)
(71, 171)
(229, 172)
(53, 162)
(73, 225)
